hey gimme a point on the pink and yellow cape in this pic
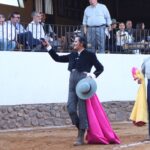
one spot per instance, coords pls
(100, 130)
(139, 114)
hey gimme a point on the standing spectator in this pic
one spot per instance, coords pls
(23, 37)
(36, 28)
(96, 18)
(7, 35)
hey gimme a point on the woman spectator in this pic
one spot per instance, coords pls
(140, 35)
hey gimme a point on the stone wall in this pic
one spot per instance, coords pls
(27, 116)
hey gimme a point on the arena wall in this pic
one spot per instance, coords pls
(34, 88)
(33, 78)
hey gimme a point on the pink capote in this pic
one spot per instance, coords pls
(100, 130)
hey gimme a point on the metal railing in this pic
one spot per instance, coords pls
(61, 37)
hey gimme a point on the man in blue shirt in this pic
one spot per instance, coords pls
(96, 18)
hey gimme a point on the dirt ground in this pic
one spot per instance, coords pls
(132, 138)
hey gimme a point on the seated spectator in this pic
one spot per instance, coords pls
(140, 34)
(122, 37)
(36, 29)
(129, 27)
(7, 35)
(50, 35)
(47, 27)
(111, 38)
(23, 37)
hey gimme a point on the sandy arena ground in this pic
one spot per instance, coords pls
(132, 138)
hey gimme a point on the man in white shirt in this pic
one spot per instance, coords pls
(22, 36)
(36, 28)
(7, 35)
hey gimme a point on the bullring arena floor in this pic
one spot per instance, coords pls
(132, 138)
